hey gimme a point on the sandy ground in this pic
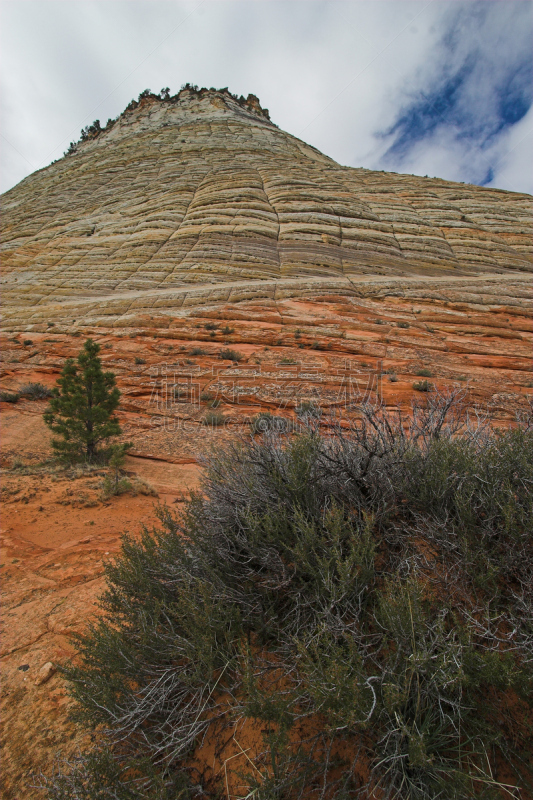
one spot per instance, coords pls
(56, 534)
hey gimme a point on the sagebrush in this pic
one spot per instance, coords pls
(365, 598)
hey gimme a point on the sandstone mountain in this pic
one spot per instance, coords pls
(200, 198)
(187, 225)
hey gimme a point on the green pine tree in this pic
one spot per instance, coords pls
(81, 410)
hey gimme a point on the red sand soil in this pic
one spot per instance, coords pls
(57, 530)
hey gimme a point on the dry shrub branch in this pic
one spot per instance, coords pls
(363, 600)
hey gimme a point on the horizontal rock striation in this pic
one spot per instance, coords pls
(180, 200)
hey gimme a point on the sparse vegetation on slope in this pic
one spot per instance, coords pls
(35, 391)
(230, 355)
(9, 397)
(250, 103)
(355, 608)
(423, 386)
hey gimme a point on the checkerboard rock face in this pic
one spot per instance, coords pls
(201, 199)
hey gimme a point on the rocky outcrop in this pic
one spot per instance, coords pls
(202, 190)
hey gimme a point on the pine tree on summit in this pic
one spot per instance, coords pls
(81, 410)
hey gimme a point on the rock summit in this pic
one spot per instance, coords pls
(199, 198)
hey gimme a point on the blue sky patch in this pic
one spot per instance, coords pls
(477, 87)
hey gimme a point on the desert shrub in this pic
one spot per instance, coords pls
(210, 399)
(425, 373)
(111, 486)
(27, 342)
(139, 486)
(35, 391)
(287, 360)
(198, 351)
(226, 330)
(230, 355)
(139, 360)
(307, 408)
(9, 397)
(423, 386)
(431, 683)
(115, 482)
(296, 592)
(483, 493)
(101, 777)
(211, 326)
(214, 418)
(402, 324)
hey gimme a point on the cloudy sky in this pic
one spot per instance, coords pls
(420, 86)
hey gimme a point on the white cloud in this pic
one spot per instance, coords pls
(457, 117)
(332, 73)
(513, 170)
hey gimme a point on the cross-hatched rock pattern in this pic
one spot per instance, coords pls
(201, 192)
